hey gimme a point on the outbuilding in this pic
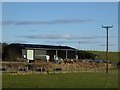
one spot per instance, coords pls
(17, 51)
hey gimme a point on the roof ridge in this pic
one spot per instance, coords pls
(43, 46)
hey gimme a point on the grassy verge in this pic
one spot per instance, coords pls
(113, 56)
(61, 80)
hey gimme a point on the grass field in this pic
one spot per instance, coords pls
(61, 80)
(65, 80)
(113, 56)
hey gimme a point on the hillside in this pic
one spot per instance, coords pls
(113, 56)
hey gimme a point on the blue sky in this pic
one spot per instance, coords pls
(61, 24)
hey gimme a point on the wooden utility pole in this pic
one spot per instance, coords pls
(107, 27)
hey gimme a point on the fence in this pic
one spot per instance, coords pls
(16, 67)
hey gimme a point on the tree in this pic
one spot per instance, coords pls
(86, 55)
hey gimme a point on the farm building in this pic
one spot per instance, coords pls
(16, 51)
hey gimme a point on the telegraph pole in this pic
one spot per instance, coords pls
(107, 28)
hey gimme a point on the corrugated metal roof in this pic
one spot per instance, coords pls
(36, 46)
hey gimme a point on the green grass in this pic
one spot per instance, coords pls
(61, 80)
(113, 56)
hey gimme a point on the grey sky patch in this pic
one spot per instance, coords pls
(7, 22)
(61, 36)
(33, 30)
(54, 36)
(81, 42)
(17, 41)
(52, 22)
(41, 31)
(97, 37)
(103, 45)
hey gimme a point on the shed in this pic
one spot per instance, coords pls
(39, 52)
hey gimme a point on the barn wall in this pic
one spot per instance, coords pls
(24, 52)
(12, 53)
(39, 54)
